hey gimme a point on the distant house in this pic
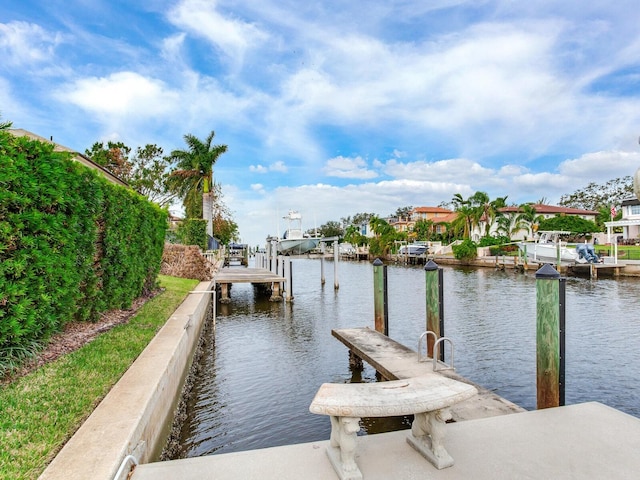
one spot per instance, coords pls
(78, 157)
(546, 211)
(630, 221)
(438, 215)
(550, 211)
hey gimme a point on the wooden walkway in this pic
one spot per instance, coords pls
(395, 361)
(229, 275)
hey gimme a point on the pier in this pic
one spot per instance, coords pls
(227, 276)
(395, 361)
(577, 441)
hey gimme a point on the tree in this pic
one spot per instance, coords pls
(5, 125)
(193, 176)
(594, 195)
(569, 223)
(353, 236)
(358, 219)
(329, 229)
(147, 171)
(114, 156)
(529, 217)
(385, 235)
(510, 224)
(465, 219)
(225, 229)
(404, 212)
(423, 229)
(150, 174)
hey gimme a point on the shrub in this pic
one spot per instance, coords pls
(467, 250)
(71, 243)
(193, 231)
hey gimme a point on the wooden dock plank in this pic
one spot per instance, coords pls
(246, 275)
(395, 361)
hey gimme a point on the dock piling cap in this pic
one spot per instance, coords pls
(431, 265)
(377, 262)
(547, 272)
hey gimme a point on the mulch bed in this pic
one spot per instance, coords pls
(76, 334)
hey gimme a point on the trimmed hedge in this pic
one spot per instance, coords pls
(193, 231)
(72, 244)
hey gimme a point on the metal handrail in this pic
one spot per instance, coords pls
(436, 346)
(435, 354)
(435, 338)
(125, 460)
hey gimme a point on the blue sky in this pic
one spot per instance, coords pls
(334, 107)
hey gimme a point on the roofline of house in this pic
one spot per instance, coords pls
(20, 132)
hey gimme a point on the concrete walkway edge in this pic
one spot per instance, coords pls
(135, 416)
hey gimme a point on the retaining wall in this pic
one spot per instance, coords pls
(135, 416)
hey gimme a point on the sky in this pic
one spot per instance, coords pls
(333, 107)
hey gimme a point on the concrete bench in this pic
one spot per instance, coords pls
(427, 397)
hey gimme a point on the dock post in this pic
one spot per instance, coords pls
(322, 252)
(290, 281)
(435, 305)
(274, 257)
(380, 304)
(550, 337)
(336, 257)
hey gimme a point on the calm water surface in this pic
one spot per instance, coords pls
(267, 360)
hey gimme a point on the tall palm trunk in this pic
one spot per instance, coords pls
(207, 204)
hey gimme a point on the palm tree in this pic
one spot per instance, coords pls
(529, 217)
(193, 175)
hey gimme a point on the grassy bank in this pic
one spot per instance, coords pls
(40, 411)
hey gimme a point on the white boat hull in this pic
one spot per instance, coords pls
(297, 246)
(548, 253)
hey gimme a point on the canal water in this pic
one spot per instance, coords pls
(267, 360)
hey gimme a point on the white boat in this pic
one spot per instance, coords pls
(412, 249)
(549, 247)
(294, 241)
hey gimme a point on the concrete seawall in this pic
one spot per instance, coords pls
(135, 416)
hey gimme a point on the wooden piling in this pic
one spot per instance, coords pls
(433, 289)
(336, 258)
(322, 251)
(381, 312)
(549, 337)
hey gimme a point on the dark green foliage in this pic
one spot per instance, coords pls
(490, 241)
(193, 231)
(63, 253)
(467, 250)
(569, 223)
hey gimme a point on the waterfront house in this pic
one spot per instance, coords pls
(542, 210)
(630, 223)
(438, 215)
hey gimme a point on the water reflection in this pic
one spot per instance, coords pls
(268, 360)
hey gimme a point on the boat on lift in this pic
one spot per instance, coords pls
(295, 241)
(549, 247)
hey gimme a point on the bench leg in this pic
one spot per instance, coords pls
(427, 437)
(342, 447)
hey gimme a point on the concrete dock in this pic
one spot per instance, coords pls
(588, 440)
(395, 361)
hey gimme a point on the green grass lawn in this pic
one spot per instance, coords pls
(41, 410)
(625, 252)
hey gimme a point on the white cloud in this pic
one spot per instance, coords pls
(23, 43)
(121, 94)
(604, 165)
(343, 167)
(278, 166)
(258, 169)
(232, 36)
